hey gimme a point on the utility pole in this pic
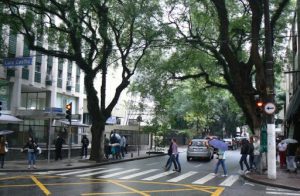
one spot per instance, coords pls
(270, 93)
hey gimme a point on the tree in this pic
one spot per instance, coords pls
(222, 43)
(96, 35)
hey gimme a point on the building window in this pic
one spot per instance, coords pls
(60, 72)
(33, 101)
(12, 45)
(38, 65)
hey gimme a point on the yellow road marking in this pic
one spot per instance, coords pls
(49, 184)
(199, 188)
(149, 191)
(149, 182)
(129, 188)
(40, 185)
(218, 191)
(113, 193)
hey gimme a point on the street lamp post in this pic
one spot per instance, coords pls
(139, 120)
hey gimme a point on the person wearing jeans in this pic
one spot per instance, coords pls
(221, 161)
(31, 148)
(174, 157)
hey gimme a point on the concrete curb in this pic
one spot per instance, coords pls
(81, 167)
(246, 177)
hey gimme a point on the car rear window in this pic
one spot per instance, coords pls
(198, 143)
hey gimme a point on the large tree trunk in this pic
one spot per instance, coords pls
(98, 119)
(97, 151)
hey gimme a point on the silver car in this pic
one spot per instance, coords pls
(198, 148)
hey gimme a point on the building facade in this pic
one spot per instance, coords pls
(292, 115)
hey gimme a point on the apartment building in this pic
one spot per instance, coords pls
(292, 115)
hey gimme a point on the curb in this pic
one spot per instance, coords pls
(246, 177)
(81, 167)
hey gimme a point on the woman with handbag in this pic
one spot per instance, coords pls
(3, 149)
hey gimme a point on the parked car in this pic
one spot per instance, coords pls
(231, 143)
(198, 148)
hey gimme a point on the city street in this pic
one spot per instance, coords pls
(140, 177)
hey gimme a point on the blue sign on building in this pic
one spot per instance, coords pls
(18, 61)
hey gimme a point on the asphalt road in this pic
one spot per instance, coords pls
(140, 177)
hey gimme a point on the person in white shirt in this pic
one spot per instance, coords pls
(282, 153)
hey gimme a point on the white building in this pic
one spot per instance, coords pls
(39, 92)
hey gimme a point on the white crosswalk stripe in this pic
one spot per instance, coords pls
(118, 173)
(230, 180)
(79, 171)
(138, 174)
(183, 176)
(280, 191)
(159, 175)
(150, 175)
(205, 179)
(99, 172)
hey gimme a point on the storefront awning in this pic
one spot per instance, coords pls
(5, 118)
(59, 123)
(294, 105)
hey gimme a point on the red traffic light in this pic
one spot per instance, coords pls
(259, 103)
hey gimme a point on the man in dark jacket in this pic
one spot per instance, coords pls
(244, 153)
(170, 160)
(58, 146)
(85, 143)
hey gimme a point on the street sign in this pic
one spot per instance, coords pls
(270, 108)
(18, 61)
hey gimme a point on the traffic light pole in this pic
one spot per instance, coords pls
(269, 71)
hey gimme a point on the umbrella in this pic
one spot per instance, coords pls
(289, 140)
(6, 132)
(218, 144)
(5, 118)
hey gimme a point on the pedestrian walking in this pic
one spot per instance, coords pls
(58, 147)
(256, 153)
(221, 161)
(291, 154)
(123, 145)
(31, 147)
(251, 154)
(175, 156)
(3, 147)
(244, 154)
(85, 143)
(170, 160)
(282, 146)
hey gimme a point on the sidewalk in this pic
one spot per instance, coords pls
(74, 163)
(283, 180)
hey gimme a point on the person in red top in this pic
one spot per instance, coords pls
(282, 153)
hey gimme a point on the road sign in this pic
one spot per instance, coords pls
(270, 108)
(18, 61)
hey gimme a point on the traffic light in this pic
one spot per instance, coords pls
(69, 112)
(0, 107)
(259, 106)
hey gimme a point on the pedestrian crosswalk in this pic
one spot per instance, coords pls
(191, 177)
